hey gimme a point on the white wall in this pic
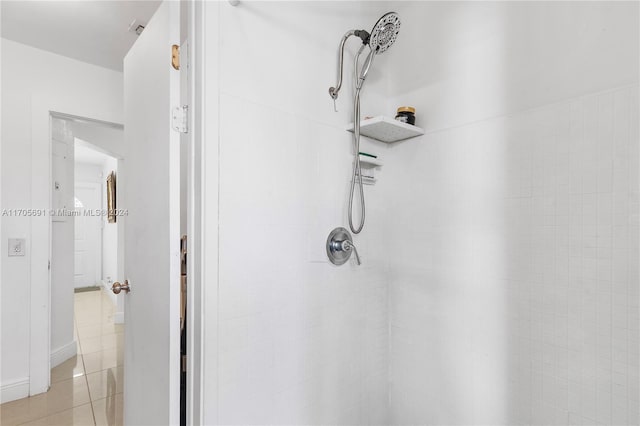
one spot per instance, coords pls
(466, 61)
(29, 76)
(513, 237)
(106, 139)
(63, 344)
(88, 172)
(300, 340)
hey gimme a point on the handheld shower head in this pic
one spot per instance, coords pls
(382, 37)
(365, 68)
(384, 32)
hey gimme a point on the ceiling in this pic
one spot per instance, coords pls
(90, 31)
(84, 154)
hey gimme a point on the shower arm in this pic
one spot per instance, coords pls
(364, 36)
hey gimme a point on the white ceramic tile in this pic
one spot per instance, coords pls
(492, 250)
(574, 302)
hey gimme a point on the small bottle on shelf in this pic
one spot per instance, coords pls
(406, 114)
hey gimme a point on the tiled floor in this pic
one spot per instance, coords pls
(86, 389)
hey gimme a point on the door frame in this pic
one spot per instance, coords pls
(43, 110)
(202, 210)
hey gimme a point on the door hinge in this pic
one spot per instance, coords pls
(180, 118)
(175, 57)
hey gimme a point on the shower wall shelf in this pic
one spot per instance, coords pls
(387, 129)
(367, 180)
(369, 166)
(366, 161)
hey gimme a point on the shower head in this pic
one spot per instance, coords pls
(382, 37)
(384, 32)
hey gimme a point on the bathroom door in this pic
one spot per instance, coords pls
(152, 236)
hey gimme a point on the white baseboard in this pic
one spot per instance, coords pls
(118, 317)
(15, 390)
(62, 354)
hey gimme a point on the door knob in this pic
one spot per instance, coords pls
(117, 287)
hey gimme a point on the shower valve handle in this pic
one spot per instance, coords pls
(348, 245)
(340, 246)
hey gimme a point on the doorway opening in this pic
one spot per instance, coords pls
(87, 244)
(95, 232)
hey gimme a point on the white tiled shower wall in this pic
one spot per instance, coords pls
(514, 292)
(301, 341)
(474, 303)
(513, 281)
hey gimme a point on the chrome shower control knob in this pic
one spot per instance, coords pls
(340, 246)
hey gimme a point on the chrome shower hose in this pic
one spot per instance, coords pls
(357, 173)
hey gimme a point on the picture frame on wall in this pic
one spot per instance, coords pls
(111, 197)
